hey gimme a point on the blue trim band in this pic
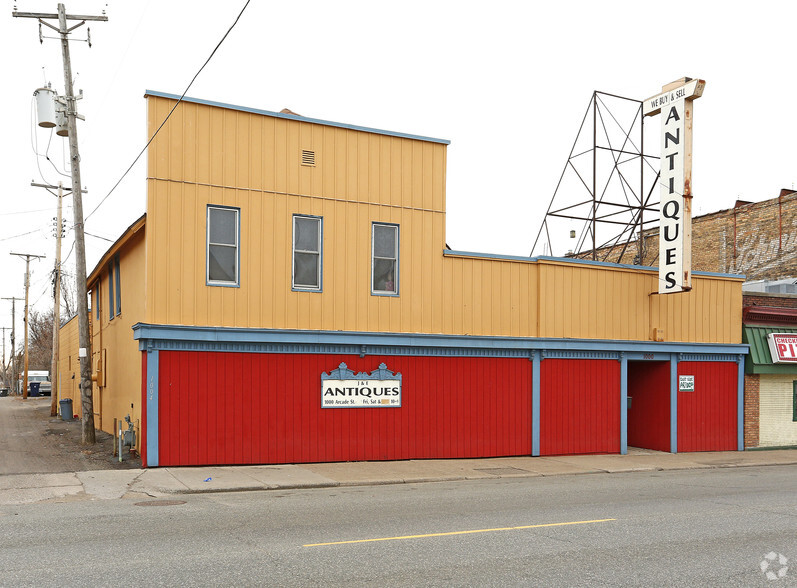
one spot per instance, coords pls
(576, 261)
(674, 403)
(235, 339)
(316, 121)
(152, 408)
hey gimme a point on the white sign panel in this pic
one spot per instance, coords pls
(359, 393)
(686, 383)
(672, 215)
(342, 388)
(690, 90)
(783, 347)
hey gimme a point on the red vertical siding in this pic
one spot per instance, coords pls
(649, 415)
(230, 408)
(579, 406)
(707, 416)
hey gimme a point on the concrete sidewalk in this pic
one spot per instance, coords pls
(161, 482)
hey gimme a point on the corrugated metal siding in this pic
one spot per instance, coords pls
(69, 365)
(707, 416)
(593, 302)
(237, 408)
(209, 154)
(649, 415)
(114, 337)
(579, 406)
(776, 410)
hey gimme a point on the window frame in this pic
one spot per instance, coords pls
(319, 253)
(395, 292)
(118, 285)
(794, 402)
(110, 291)
(220, 283)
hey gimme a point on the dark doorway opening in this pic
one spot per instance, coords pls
(649, 405)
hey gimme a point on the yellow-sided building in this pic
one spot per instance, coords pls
(289, 297)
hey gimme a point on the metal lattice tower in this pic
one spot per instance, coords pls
(606, 196)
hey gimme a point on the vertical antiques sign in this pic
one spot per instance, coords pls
(675, 181)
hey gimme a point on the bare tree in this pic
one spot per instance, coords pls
(68, 300)
(40, 344)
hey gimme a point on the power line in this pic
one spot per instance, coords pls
(170, 112)
(20, 235)
(98, 237)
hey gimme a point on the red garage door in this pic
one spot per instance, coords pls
(707, 416)
(579, 406)
(246, 408)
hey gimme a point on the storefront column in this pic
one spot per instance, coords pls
(740, 409)
(535, 403)
(623, 404)
(673, 403)
(152, 407)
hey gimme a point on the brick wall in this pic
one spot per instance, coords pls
(756, 239)
(751, 416)
(774, 300)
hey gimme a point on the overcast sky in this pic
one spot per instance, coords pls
(506, 82)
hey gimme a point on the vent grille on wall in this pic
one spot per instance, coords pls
(308, 157)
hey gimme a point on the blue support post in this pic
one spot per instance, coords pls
(740, 409)
(623, 404)
(673, 403)
(535, 404)
(152, 408)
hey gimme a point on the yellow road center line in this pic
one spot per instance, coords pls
(459, 533)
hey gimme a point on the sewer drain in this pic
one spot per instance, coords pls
(502, 471)
(160, 503)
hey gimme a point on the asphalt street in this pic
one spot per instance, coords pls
(669, 528)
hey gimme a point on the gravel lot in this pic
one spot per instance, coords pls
(33, 442)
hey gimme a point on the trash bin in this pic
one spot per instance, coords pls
(34, 388)
(66, 409)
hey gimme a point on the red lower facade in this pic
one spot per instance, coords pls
(252, 398)
(248, 408)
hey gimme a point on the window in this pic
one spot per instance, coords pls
(794, 403)
(110, 290)
(306, 253)
(97, 299)
(384, 259)
(222, 252)
(118, 286)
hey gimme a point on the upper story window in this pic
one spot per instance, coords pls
(222, 246)
(118, 290)
(307, 253)
(384, 259)
(110, 290)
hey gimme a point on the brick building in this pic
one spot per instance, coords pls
(754, 239)
(770, 381)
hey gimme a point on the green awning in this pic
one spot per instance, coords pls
(759, 361)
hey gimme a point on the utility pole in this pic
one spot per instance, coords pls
(13, 343)
(59, 233)
(54, 380)
(5, 371)
(87, 402)
(28, 257)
